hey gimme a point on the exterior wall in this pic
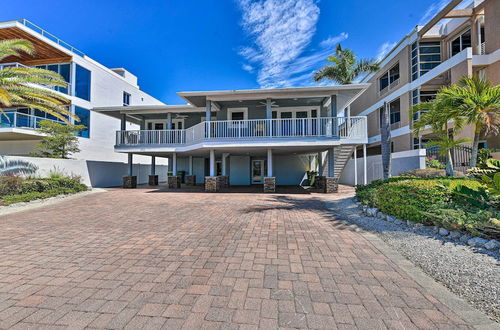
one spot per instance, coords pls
(93, 173)
(239, 173)
(290, 169)
(401, 162)
(492, 25)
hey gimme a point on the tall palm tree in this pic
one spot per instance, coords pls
(23, 86)
(346, 68)
(477, 102)
(436, 117)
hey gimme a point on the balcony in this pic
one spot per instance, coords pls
(251, 131)
(21, 120)
(65, 90)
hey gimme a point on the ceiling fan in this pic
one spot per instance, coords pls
(178, 116)
(273, 104)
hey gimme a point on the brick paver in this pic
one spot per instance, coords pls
(146, 259)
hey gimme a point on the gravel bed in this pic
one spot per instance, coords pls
(472, 274)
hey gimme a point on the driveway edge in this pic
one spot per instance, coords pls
(463, 309)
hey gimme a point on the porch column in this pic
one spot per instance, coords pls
(174, 164)
(224, 165)
(130, 181)
(365, 179)
(269, 180)
(320, 163)
(153, 178)
(208, 111)
(269, 109)
(169, 120)
(212, 162)
(355, 165)
(123, 122)
(190, 165)
(190, 178)
(333, 114)
(331, 163)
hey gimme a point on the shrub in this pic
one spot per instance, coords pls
(428, 173)
(10, 185)
(7, 200)
(434, 163)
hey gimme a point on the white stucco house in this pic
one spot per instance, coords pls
(90, 85)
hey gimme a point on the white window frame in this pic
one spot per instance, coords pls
(164, 122)
(230, 112)
(294, 111)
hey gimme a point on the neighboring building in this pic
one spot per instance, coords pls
(456, 42)
(90, 84)
(244, 137)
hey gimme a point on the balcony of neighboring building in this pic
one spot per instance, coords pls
(22, 124)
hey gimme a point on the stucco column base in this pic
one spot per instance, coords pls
(320, 182)
(191, 180)
(174, 182)
(212, 184)
(331, 185)
(153, 180)
(269, 184)
(130, 182)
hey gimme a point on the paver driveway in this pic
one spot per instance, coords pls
(140, 259)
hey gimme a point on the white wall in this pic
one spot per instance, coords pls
(94, 173)
(401, 162)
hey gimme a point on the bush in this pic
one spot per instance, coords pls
(10, 185)
(7, 200)
(453, 203)
(433, 163)
(428, 173)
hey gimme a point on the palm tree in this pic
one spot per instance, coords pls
(436, 117)
(345, 68)
(22, 86)
(477, 102)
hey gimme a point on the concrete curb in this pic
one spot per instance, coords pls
(20, 207)
(463, 309)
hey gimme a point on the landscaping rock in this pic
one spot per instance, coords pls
(477, 242)
(398, 222)
(381, 216)
(455, 234)
(390, 218)
(371, 212)
(443, 232)
(435, 229)
(492, 245)
(465, 238)
(418, 225)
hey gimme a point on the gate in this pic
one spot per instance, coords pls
(460, 155)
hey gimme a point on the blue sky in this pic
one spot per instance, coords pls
(183, 45)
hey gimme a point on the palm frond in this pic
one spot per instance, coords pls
(14, 47)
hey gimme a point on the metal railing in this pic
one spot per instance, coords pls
(65, 90)
(482, 48)
(389, 87)
(234, 130)
(22, 120)
(50, 36)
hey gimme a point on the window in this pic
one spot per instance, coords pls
(419, 96)
(126, 99)
(82, 83)
(394, 114)
(237, 113)
(414, 61)
(63, 70)
(84, 116)
(429, 56)
(390, 77)
(460, 43)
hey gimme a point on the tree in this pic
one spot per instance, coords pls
(436, 117)
(345, 69)
(477, 102)
(22, 86)
(60, 140)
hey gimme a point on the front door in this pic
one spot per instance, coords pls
(257, 171)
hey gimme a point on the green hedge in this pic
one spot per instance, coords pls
(438, 201)
(16, 189)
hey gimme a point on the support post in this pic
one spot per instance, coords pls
(269, 180)
(190, 165)
(333, 114)
(153, 178)
(208, 111)
(123, 122)
(269, 162)
(153, 165)
(191, 178)
(174, 164)
(355, 165)
(365, 179)
(224, 164)
(320, 163)
(269, 109)
(212, 162)
(331, 163)
(169, 120)
(130, 164)
(130, 181)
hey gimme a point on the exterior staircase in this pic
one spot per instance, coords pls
(342, 154)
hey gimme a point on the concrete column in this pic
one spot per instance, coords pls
(333, 106)
(355, 165)
(224, 164)
(169, 120)
(190, 165)
(212, 162)
(130, 164)
(269, 109)
(320, 163)
(365, 178)
(153, 165)
(269, 163)
(331, 163)
(123, 122)
(208, 111)
(174, 164)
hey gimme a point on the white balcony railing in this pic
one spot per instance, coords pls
(255, 129)
(22, 120)
(65, 90)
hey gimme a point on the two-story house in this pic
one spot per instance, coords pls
(462, 39)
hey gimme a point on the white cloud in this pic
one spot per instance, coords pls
(384, 49)
(433, 9)
(247, 68)
(281, 31)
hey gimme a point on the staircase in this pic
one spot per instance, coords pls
(342, 154)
